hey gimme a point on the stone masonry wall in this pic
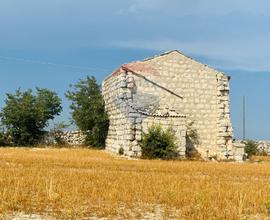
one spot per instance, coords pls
(128, 119)
(263, 147)
(224, 126)
(175, 82)
(116, 94)
(199, 86)
(72, 137)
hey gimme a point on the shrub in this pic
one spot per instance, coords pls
(58, 131)
(192, 140)
(192, 134)
(157, 143)
(262, 153)
(121, 151)
(250, 148)
(5, 139)
(55, 135)
(25, 115)
(88, 111)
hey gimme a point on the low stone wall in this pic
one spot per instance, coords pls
(263, 147)
(73, 138)
(238, 151)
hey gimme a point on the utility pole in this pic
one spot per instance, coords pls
(244, 117)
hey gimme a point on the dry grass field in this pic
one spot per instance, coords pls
(89, 184)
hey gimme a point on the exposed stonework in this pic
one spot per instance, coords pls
(263, 147)
(169, 89)
(238, 151)
(73, 138)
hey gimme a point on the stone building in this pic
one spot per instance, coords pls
(171, 90)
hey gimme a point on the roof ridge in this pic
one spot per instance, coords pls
(183, 54)
(161, 54)
(164, 54)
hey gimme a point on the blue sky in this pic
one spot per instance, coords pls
(53, 43)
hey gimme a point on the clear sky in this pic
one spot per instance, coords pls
(53, 43)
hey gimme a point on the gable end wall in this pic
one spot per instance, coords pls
(205, 101)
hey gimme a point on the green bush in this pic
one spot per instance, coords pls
(192, 141)
(157, 143)
(262, 153)
(121, 151)
(251, 148)
(57, 133)
(5, 139)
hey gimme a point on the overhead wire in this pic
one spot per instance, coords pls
(52, 64)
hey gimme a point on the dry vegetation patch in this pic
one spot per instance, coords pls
(79, 183)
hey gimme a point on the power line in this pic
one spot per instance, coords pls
(52, 64)
(244, 117)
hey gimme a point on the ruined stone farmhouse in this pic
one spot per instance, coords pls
(175, 91)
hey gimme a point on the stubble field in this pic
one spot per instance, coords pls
(91, 184)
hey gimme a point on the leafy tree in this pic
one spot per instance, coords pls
(25, 114)
(88, 111)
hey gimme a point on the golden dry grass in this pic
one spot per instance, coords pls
(75, 183)
(260, 159)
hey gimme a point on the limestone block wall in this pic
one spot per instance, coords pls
(72, 137)
(198, 85)
(130, 114)
(116, 96)
(137, 91)
(263, 147)
(238, 152)
(224, 126)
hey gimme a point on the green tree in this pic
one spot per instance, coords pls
(25, 114)
(88, 111)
